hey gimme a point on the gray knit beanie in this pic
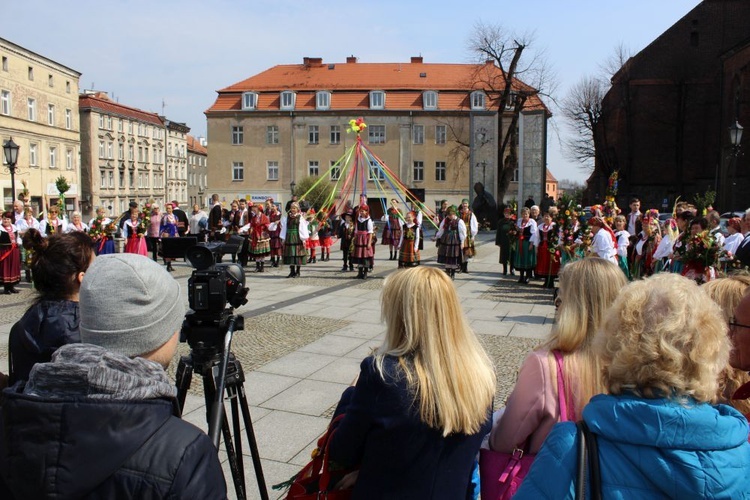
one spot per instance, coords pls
(129, 304)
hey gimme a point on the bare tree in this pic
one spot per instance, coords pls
(523, 73)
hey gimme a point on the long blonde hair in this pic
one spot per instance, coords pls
(727, 293)
(587, 288)
(452, 377)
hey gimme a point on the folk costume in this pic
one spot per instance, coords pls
(408, 245)
(645, 264)
(101, 230)
(134, 235)
(604, 242)
(346, 236)
(168, 229)
(10, 255)
(27, 222)
(623, 241)
(363, 254)
(325, 232)
(547, 257)
(392, 231)
(503, 241)
(80, 226)
(313, 242)
(678, 252)
(525, 258)
(48, 227)
(260, 240)
(294, 233)
(274, 230)
(472, 227)
(450, 237)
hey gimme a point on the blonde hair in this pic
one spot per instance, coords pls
(661, 338)
(451, 375)
(587, 288)
(727, 293)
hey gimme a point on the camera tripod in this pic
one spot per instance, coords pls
(221, 371)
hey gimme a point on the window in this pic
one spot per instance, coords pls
(101, 150)
(69, 159)
(323, 100)
(122, 178)
(51, 81)
(238, 135)
(477, 99)
(131, 150)
(313, 168)
(375, 171)
(441, 131)
(109, 122)
(5, 102)
(110, 151)
(52, 157)
(377, 99)
(418, 171)
(50, 114)
(272, 170)
(287, 99)
(249, 100)
(145, 154)
(111, 176)
(102, 179)
(140, 153)
(417, 133)
(68, 119)
(121, 152)
(312, 134)
(5, 63)
(31, 104)
(272, 134)
(335, 134)
(335, 170)
(31, 73)
(429, 100)
(376, 134)
(238, 171)
(67, 87)
(132, 178)
(32, 155)
(439, 170)
(130, 127)
(515, 175)
(101, 121)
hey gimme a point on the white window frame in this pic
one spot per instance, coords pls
(249, 100)
(313, 164)
(52, 157)
(418, 171)
(102, 178)
(478, 100)
(50, 80)
(322, 100)
(131, 152)
(121, 152)
(31, 106)
(238, 171)
(441, 134)
(375, 167)
(69, 119)
(272, 134)
(417, 134)
(51, 114)
(441, 166)
(6, 101)
(69, 159)
(67, 87)
(272, 170)
(101, 121)
(110, 151)
(313, 134)
(430, 99)
(377, 99)
(238, 135)
(102, 150)
(33, 160)
(5, 63)
(335, 171)
(335, 134)
(373, 135)
(287, 99)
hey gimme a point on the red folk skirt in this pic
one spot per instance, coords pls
(10, 264)
(547, 264)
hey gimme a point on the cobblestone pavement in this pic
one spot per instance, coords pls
(305, 337)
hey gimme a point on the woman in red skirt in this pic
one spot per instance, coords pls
(134, 233)
(10, 255)
(325, 235)
(274, 229)
(362, 255)
(548, 256)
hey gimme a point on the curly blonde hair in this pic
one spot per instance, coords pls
(727, 293)
(661, 338)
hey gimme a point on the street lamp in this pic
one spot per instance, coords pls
(292, 185)
(10, 150)
(735, 134)
(735, 137)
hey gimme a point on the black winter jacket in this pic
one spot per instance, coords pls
(43, 328)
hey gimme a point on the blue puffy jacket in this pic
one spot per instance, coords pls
(650, 448)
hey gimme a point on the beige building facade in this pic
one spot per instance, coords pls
(197, 171)
(39, 110)
(123, 155)
(177, 161)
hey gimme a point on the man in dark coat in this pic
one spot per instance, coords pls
(215, 219)
(529, 202)
(99, 420)
(182, 218)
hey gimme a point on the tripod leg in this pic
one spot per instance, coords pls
(251, 434)
(237, 433)
(183, 377)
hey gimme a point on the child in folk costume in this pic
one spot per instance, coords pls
(392, 231)
(604, 243)
(623, 240)
(134, 233)
(679, 247)
(274, 229)
(547, 259)
(294, 234)
(10, 255)
(525, 257)
(346, 236)
(260, 241)
(362, 255)
(472, 227)
(645, 264)
(325, 235)
(101, 230)
(314, 241)
(408, 244)
(451, 236)
(168, 229)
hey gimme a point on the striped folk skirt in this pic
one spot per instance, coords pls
(294, 249)
(525, 258)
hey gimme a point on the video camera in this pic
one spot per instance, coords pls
(214, 290)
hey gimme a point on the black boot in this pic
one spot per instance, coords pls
(465, 267)
(13, 289)
(452, 274)
(262, 265)
(521, 279)
(257, 266)
(169, 266)
(292, 274)
(361, 273)
(28, 276)
(7, 290)
(505, 269)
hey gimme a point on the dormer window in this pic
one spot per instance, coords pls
(323, 100)
(477, 100)
(287, 100)
(249, 100)
(429, 99)
(377, 99)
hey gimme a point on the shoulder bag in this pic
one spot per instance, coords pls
(588, 464)
(501, 474)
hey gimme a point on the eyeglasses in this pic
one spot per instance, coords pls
(733, 325)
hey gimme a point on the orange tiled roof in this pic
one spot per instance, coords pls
(351, 82)
(195, 146)
(550, 177)
(101, 102)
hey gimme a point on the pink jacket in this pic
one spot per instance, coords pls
(532, 408)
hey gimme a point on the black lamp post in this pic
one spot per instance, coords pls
(735, 137)
(10, 150)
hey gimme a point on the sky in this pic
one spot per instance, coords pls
(147, 52)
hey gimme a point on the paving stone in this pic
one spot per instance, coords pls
(261, 386)
(492, 327)
(539, 332)
(281, 435)
(298, 364)
(342, 371)
(333, 345)
(310, 397)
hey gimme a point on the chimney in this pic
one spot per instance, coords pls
(351, 59)
(312, 61)
(417, 60)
